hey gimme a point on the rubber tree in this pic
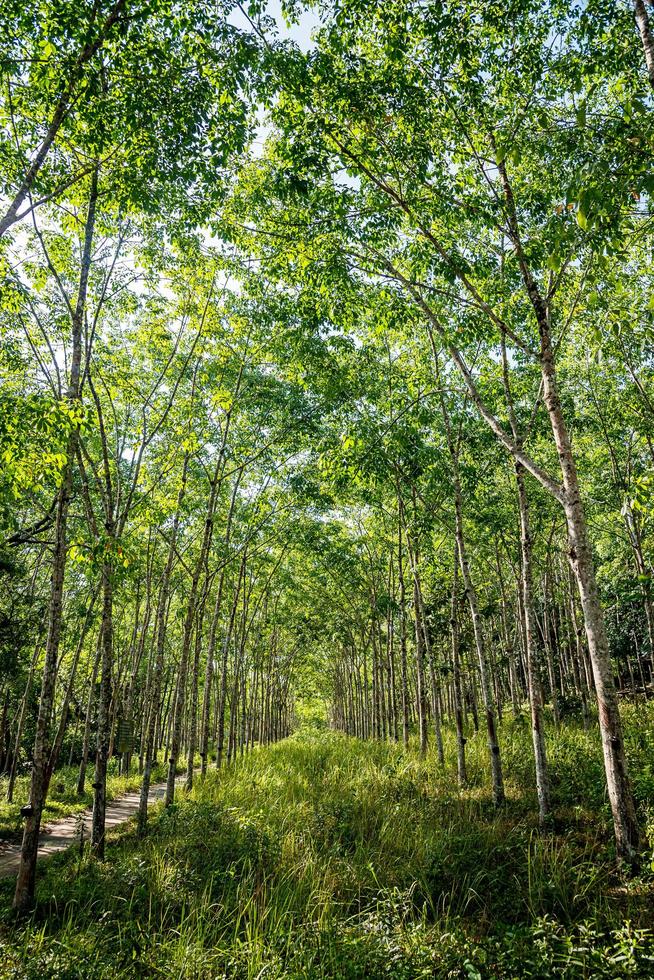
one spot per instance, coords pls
(25, 882)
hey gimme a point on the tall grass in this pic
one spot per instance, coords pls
(325, 857)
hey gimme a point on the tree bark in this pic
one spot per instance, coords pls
(642, 21)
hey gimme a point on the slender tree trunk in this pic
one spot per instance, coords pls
(456, 675)
(104, 716)
(549, 655)
(471, 592)
(421, 699)
(581, 558)
(4, 733)
(208, 676)
(193, 708)
(90, 701)
(642, 21)
(25, 882)
(200, 568)
(390, 647)
(508, 645)
(435, 687)
(63, 719)
(403, 652)
(535, 694)
(222, 694)
(530, 625)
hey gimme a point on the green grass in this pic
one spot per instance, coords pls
(324, 857)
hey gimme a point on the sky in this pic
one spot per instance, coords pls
(300, 32)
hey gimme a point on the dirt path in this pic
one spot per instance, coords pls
(56, 837)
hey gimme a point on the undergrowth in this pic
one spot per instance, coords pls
(325, 857)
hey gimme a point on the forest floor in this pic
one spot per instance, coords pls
(325, 857)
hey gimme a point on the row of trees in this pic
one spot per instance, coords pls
(131, 422)
(488, 170)
(366, 416)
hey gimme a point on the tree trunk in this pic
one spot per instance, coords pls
(25, 882)
(462, 774)
(403, 654)
(581, 559)
(63, 719)
(222, 693)
(642, 21)
(208, 676)
(535, 693)
(493, 746)
(189, 623)
(104, 715)
(193, 708)
(421, 699)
